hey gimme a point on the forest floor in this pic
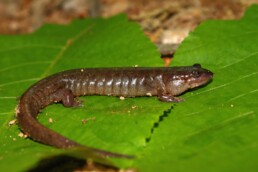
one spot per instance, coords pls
(165, 22)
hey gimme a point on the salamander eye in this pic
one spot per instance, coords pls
(197, 65)
(196, 74)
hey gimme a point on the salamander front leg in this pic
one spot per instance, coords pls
(66, 96)
(165, 97)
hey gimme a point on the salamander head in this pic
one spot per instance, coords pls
(187, 78)
(198, 76)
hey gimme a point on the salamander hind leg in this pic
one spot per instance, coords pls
(66, 96)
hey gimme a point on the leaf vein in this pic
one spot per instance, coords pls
(59, 55)
(29, 46)
(20, 81)
(220, 124)
(23, 64)
(240, 60)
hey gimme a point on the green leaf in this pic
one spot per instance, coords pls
(112, 124)
(216, 128)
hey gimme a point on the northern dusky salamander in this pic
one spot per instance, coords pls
(64, 87)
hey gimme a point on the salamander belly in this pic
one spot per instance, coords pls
(118, 84)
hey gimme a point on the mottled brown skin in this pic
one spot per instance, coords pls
(165, 83)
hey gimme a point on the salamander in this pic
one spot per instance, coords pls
(164, 82)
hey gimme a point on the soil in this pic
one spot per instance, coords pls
(163, 21)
